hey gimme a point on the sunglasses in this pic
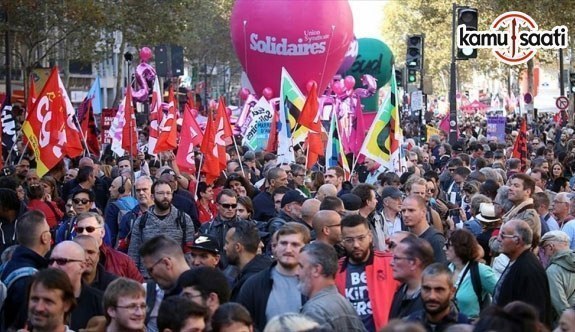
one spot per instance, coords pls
(81, 201)
(228, 206)
(62, 261)
(89, 229)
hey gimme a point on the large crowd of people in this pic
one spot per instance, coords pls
(462, 239)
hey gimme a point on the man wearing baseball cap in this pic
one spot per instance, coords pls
(290, 210)
(205, 251)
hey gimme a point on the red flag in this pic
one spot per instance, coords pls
(273, 140)
(315, 148)
(520, 146)
(224, 132)
(88, 127)
(191, 136)
(45, 126)
(210, 162)
(308, 116)
(168, 130)
(129, 134)
(73, 146)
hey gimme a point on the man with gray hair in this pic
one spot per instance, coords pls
(316, 274)
(561, 270)
(524, 278)
(326, 190)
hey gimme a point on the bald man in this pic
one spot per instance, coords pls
(308, 210)
(326, 190)
(121, 202)
(327, 227)
(70, 257)
(94, 275)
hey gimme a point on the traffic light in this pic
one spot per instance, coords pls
(572, 81)
(468, 17)
(414, 57)
(399, 78)
(411, 76)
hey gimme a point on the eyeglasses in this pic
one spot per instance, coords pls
(81, 201)
(431, 191)
(351, 240)
(133, 307)
(62, 261)
(507, 236)
(277, 202)
(89, 229)
(451, 169)
(151, 268)
(228, 206)
(399, 258)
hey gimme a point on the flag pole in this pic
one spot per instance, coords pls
(85, 144)
(238, 153)
(198, 177)
(22, 155)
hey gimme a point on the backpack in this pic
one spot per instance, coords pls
(124, 209)
(181, 220)
(484, 301)
(123, 243)
(12, 278)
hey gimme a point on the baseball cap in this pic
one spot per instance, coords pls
(392, 192)
(293, 196)
(249, 156)
(207, 243)
(351, 202)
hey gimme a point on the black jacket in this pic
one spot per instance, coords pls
(103, 278)
(183, 201)
(15, 310)
(255, 293)
(257, 264)
(88, 305)
(218, 228)
(526, 281)
(402, 307)
(264, 206)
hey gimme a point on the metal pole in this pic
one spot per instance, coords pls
(453, 85)
(8, 51)
(561, 78)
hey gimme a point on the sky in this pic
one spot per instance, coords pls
(367, 17)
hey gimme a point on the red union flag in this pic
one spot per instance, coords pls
(191, 136)
(168, 130)
(45, 125)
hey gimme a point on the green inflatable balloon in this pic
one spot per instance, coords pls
(374, 58)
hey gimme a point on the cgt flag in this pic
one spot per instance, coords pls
(210, 162)
(520, 146)
(384, 138)
(45, 127)
(190, 137)
(168, 130)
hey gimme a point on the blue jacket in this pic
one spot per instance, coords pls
(66, 231)
(15, 308)
(113, 210)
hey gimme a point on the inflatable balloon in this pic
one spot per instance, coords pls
(244, 93)
(308, 38)
(349, 57)
(268, 93)
(145, 76)
(337, 87)
(349, 82)
(374, 58)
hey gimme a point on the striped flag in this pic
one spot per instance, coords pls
(384, 138)
(334, 155)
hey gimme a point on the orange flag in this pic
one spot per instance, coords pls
(273, 139)
(520, 146)
(129, 134)
(210, 163)
(45, 126)
(308, 116)
(224, 133)
(168, 130)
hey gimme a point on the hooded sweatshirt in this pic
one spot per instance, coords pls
(561, 275)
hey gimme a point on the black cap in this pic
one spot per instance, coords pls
(351, 202)
(392, 192)
(293, 196)
(207, 243)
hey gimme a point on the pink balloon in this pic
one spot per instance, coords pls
(349, 82)
(268, 93)
(213, 104)
(145, 54)
(244, 93)
(337, 87)
(301, 36)
(145, 76)
(309, 85)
